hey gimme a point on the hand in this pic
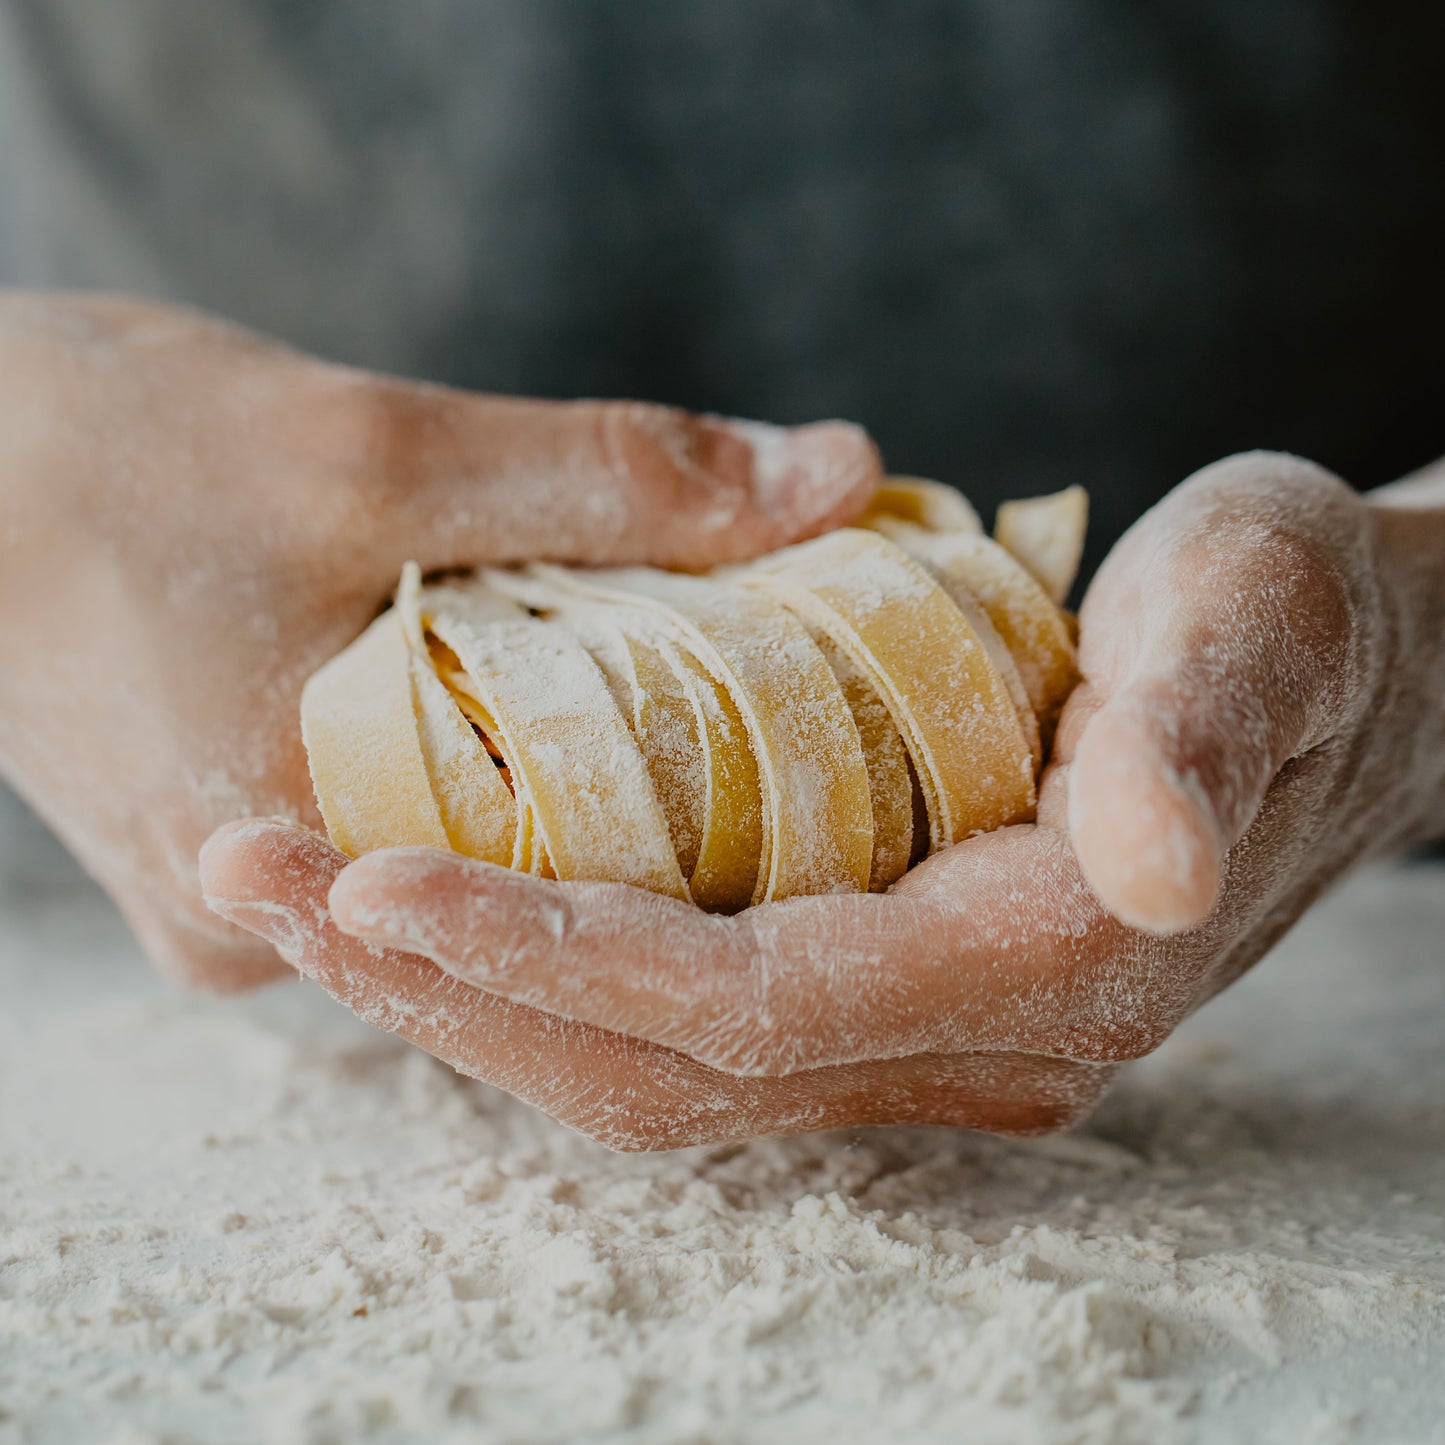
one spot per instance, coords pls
(626, 1092)
(193, 519)
(1264, 658)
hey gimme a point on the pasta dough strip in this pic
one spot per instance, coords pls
(930, 505)
(818, 819)
(575, 766)
(664, 723)
(729, 860)
(1035, 631)
(477, 808)
(359, 725)
(1046, 534)
(724, 877)
(890, 783)
(947, 698)
(659, 708)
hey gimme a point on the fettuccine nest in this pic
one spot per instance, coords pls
(812, 722)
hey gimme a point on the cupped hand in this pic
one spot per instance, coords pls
(193, 519)
(619, 1088)
(1264, 663)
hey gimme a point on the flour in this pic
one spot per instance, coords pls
(233, 1221)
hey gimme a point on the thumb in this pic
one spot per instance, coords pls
(1221, 657)
(466, 478)
(1160, 787)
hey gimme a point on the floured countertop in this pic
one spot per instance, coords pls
(249, 1220)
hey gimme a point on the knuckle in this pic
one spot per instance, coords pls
(1291, 547)
(1309, 587)
(328, 474)
(677, 457)
(359, 440)
(644, 451)
(644, 439)
(344, 417)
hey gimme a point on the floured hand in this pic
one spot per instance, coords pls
(624, 1090)
(193, 519)
(1264, 705)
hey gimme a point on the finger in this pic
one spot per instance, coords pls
(1218, 642)
(627, 960)
(463, 478)
(274, 879)
(999, 947)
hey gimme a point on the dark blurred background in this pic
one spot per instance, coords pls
(1026, 242)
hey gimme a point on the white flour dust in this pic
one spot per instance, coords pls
(234, 1221)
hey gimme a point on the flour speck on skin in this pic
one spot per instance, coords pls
(256, 1219)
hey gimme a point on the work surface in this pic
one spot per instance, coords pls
(259, 1220)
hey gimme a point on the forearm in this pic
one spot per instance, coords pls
(1409, 517)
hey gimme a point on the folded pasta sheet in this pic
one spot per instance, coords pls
(811, 722)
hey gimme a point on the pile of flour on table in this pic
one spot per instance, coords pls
(234, 1221)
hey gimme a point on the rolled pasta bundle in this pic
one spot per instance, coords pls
(814, 721)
